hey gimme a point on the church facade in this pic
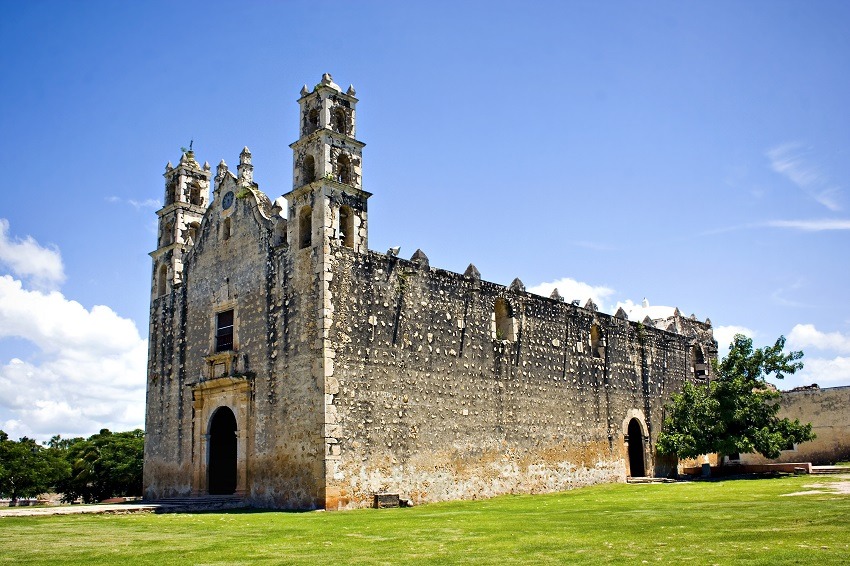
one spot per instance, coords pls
(294, 367)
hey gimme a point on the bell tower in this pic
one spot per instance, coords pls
(187, 194)
(327, 203)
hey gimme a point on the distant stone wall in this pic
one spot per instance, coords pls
(829, 412)
(435, 404)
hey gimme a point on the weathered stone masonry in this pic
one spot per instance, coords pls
(292, 366)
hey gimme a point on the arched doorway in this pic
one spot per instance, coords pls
(637, 468)
(222, 444)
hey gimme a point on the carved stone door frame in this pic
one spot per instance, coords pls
(207, 396)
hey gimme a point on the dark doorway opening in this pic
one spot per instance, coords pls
(637, 469)
(222, 467)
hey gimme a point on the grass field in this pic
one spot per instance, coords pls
(724, 522)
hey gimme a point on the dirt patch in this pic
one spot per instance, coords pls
(837, 487)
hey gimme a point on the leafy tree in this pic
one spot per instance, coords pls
(28, 469)
(736, 413)
(104, 465)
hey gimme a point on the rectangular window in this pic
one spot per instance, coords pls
(224, 331)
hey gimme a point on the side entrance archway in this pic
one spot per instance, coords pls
(222, 451)
(637, 466)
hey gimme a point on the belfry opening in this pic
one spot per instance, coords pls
(222, 444)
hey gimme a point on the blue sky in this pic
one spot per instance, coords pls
(695, 154)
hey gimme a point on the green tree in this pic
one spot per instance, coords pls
(28, 469)
(736, 412)
(104, 465)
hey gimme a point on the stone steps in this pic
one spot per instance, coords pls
(824, 470)
(200, 503)
(649, 480)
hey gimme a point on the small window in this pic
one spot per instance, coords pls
(346, 227)
(224, 331)
(504, 321)
(305, 227)
(308, 169)
(597, 348)
(162, 281)
(343, 170)
(225, 229)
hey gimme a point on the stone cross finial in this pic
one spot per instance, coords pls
(419, 258)
(221, 170)
(517, 286)
(245, 156)
(328, 81)
(245, 170)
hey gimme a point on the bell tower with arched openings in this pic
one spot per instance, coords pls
(187, 195)
(327, 203)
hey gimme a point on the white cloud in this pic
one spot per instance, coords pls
(150, 203)
(806, 335)
(639, 311)
(571, 289)
(147, 204)
(725, 334)
(779, 296)
(89, 374)
(26, 258)
(812, 225)
(825, 372)
(791, 161)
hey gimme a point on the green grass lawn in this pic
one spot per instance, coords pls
(724, 522)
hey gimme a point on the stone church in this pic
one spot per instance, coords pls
(296, 368)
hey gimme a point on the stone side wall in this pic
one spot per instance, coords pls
(827, 410)
(432, 404)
